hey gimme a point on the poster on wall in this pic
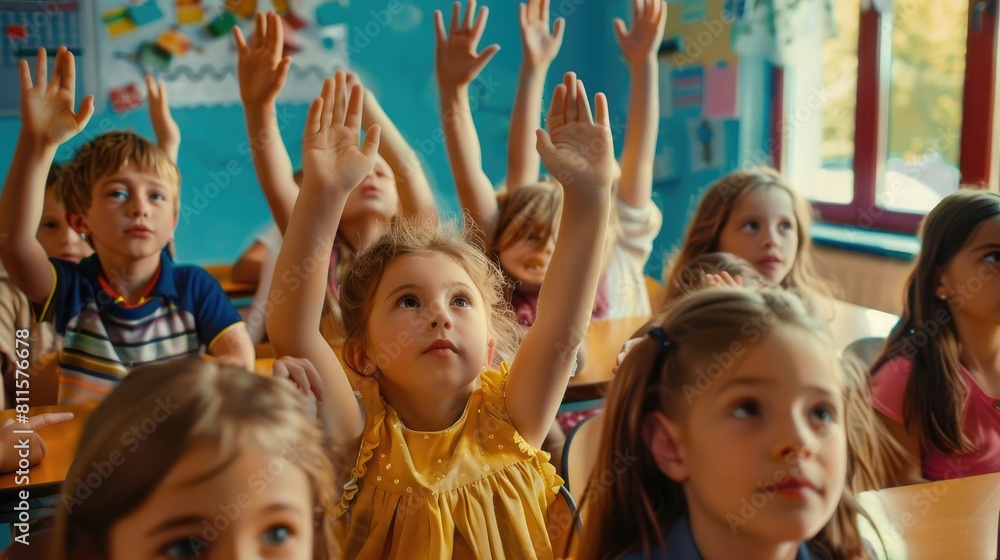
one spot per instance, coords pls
(188, 45)
(30, 24)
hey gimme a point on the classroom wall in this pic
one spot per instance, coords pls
(223, 208)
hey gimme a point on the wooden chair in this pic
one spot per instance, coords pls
(563, 523)
(580, 453)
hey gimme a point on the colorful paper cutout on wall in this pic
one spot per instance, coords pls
(687, 89)
(721, 86)
(707, 142)
(125, 98)
(693, 10)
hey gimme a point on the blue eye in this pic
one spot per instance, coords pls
(188, 547)
(746, 409)
(751, 226)
(158, 196)
(407, 301)
(825, 414)
(119, 194)
(992, 258)
(461, 301)
(277, 535)
(785, 226)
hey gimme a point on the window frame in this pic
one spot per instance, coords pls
(977, 137)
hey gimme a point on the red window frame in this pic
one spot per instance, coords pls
(871, 118)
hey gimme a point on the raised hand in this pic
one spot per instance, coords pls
(649, 17)
(540, 46)
(456, 58)
(168, 134)
(330, 154)
(724, 280)
(47, 115)
(262, 68)
(576, 150)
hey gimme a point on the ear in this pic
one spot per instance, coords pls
(355, 356)
(491, 347)
(941, 285)
(662, 437)
(78, 222)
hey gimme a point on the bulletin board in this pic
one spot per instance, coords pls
(188, 45)
(30, 24)
(703, 29)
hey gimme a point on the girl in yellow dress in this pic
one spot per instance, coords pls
(444, 446)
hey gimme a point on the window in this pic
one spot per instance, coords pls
(890, 114)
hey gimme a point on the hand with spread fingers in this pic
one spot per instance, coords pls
(641, 43)
(168, 134)
(455, 56)
(540, 46)
(261, 66)
(48, 117)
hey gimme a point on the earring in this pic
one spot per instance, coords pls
(364, 372)
(83, 236)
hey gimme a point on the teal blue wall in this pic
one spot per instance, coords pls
(222, 211)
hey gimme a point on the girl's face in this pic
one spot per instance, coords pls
(971, 279)
(376, 196)
(762, 229)
(428, 330)
(527, 260)
(762, 453)
(258, 506)
(57, 238)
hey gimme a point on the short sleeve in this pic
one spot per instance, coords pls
(207, 301)
(639, 227)
(65, 300)
(889, 387)
(494, 389)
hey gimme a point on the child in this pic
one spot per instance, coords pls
(193, 457)
(123, 194)
(754, 215)
(396, 182)
(446, 447)
(732, 417)
(937, 383)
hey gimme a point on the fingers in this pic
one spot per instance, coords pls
(372, 137)
(557, 29)
(456, 9)
(42, 68)
(241, 42)
(480, 25)
(522, 15)
(439, 32)
(557, 109)
(355, 106)
(485, 56)
(340, 94)
(470, 9)
(56, 79)
(151, 88)
(572, 93)
(303, 374)
(543, 144)
(583, 104)
(65, 70)
(85, 112)
(260, 29)
(314, 117)
(621, 32)
(543, 10)
(42, 420)
(275, 36)
(326, 117)
(25, 75)
(601, 111)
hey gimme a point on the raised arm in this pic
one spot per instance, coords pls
(47, 120)
(415, 196)
(263, 70)
(540, 49)
(332, 166)
(578, 152)
(457, 65)
(640, 46)
(168, 134)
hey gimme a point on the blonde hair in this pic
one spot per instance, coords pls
(641, 504)
(204, 402)
(717, 205)
(107, 154)
(528, 210)
(414, 235)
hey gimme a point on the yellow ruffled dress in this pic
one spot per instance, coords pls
(474, 490)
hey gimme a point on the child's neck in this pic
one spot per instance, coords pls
(426, 412)
(979, 351)
(129, 278)
(359, 233)
(718, 542)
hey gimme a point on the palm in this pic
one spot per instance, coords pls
(583, 154)
(539, 46)
(52, 114)
(262, 68)
(641, 40)
(458, 62)
(648, 21)
(455, 54)
(332, 155)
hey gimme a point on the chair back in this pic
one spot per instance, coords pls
(580, 453)
(563, 523)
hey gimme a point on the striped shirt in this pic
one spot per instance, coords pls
(185, 312)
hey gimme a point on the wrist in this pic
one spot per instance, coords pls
(36, 146)
(643, 63)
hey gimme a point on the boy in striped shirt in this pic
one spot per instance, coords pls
(128, 304)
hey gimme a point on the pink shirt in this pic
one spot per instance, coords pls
(981, 423)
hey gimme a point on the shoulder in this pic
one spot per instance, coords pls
(889, 387)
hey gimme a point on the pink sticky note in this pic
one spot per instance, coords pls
(720, 97)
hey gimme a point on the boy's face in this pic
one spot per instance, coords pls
(57, 238)
(132, 214)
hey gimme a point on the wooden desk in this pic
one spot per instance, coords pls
(604, 341)
(235, 290)
(950, 519)
(61, 441)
